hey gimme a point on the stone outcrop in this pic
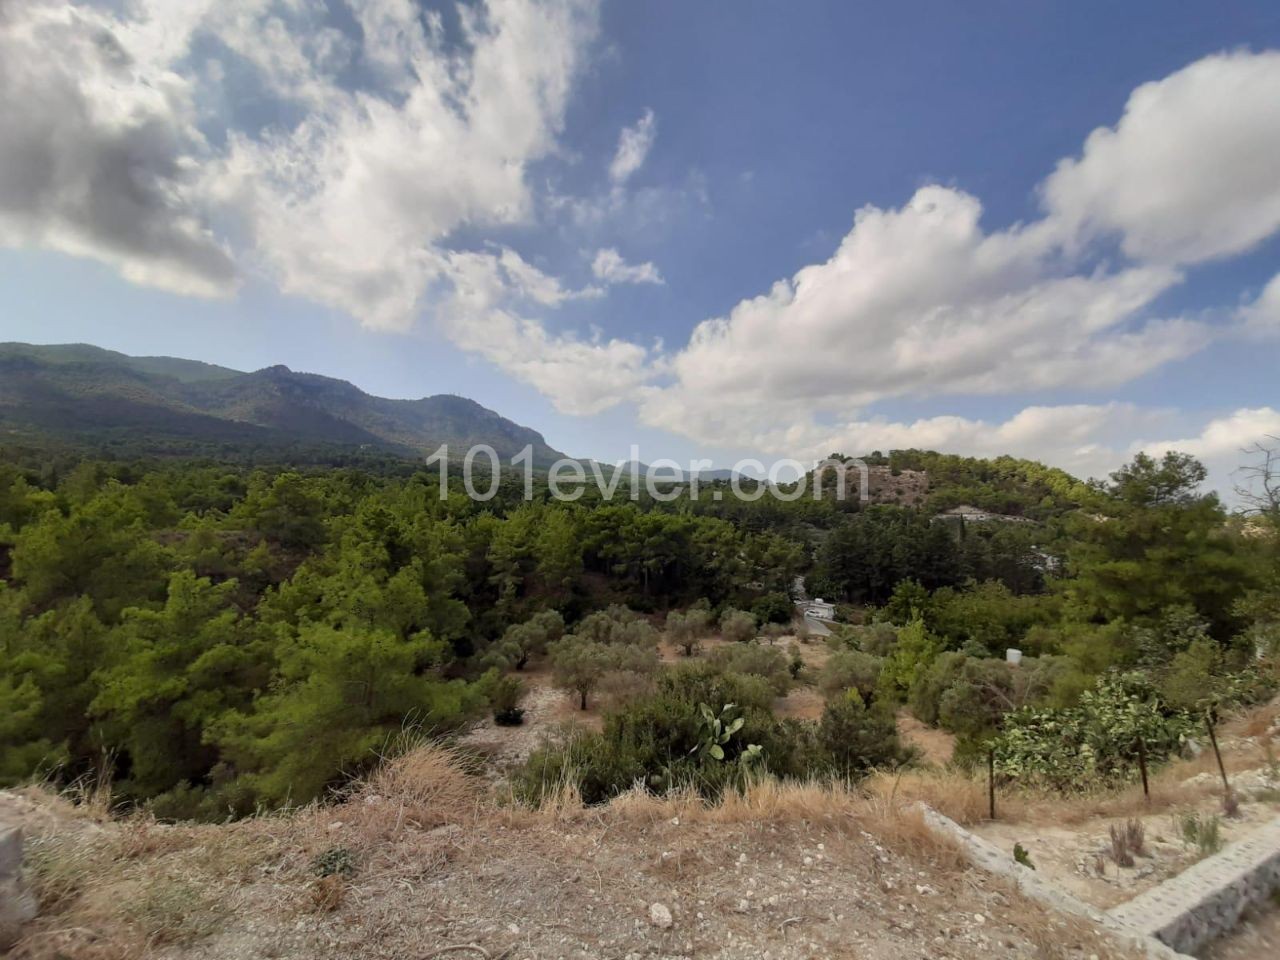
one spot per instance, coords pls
(17, 905)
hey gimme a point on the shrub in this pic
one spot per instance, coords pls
(334, 862)
(737, 626)
(754, 659)
(505, 694)
(857, 738)
(850, 670)
(617, 625)
(1094, 741)
(773, 608)
(911, 655)
(659, 742)
(774, 632)
(523, 641)
(687, 629)
(1203, 833)
(795, 665)
(581, 663)
(877, 639)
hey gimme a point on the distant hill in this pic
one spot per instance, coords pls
(78, 393)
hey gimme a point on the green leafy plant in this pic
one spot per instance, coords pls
(1092, 742)
(336, 861)
(1020, 855)
(1203, 833)
(717, 730)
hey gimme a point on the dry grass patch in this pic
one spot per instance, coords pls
(952, 793)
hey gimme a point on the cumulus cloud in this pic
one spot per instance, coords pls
(395, 143)
(353, 205)
(1225, 436)
(578, 376)
(1189, 173)
(610, 267)
(100, 150)
(1222, 443)
(1261, 317)
(346, 197)
(919, 301)
(634, 144)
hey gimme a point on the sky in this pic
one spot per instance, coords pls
(707, 229)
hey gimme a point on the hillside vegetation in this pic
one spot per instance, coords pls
(88, 397)
(214, 639)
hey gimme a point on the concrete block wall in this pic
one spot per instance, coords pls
(1207, 899)
(987, 856)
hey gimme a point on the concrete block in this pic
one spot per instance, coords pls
(1207, 899)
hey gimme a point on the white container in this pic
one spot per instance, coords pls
(1013, 657)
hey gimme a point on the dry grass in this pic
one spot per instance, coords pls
(954, 794)
(430, 778)
(836, 807)
(140, 887)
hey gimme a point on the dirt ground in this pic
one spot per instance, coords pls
(549, 715)
(935, 746)
(789, 874)
(1074, 850)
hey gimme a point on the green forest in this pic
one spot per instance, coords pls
(217, 638)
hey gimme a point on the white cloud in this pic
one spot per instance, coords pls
(99, 150)
(1224, 437)
(918, 301)
(610, 267)
(1261, 317)
(346, 198)
(356, 198)
(1190, 172)
(634, 144)
(1221, 444)
(579, 376)
(352, 207)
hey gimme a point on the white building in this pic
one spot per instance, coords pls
(820, 610)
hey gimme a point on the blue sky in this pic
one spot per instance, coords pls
(413, 198)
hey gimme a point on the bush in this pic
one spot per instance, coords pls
(617, 625)
(1095, 741)
(505, 694)
(856, 738)
(737, 626)
(774, 608)
(850, 670)
(658, 742)
(523, 641)
(688, 629)
(580, 663)
(752, 658)
(914, 652)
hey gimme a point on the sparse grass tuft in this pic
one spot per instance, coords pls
(171, 910)
(1203, 833)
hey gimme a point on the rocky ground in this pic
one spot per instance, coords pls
(419, 873)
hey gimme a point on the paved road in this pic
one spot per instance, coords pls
(817, 627)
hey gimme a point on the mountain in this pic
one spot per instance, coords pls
(83, 394)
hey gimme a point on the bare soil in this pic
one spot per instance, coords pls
(790, 874)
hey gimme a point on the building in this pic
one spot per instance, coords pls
(819, 610)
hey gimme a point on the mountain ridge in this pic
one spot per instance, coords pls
(80, 392)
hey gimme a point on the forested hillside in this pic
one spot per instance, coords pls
(91, 398)
(214, 637)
